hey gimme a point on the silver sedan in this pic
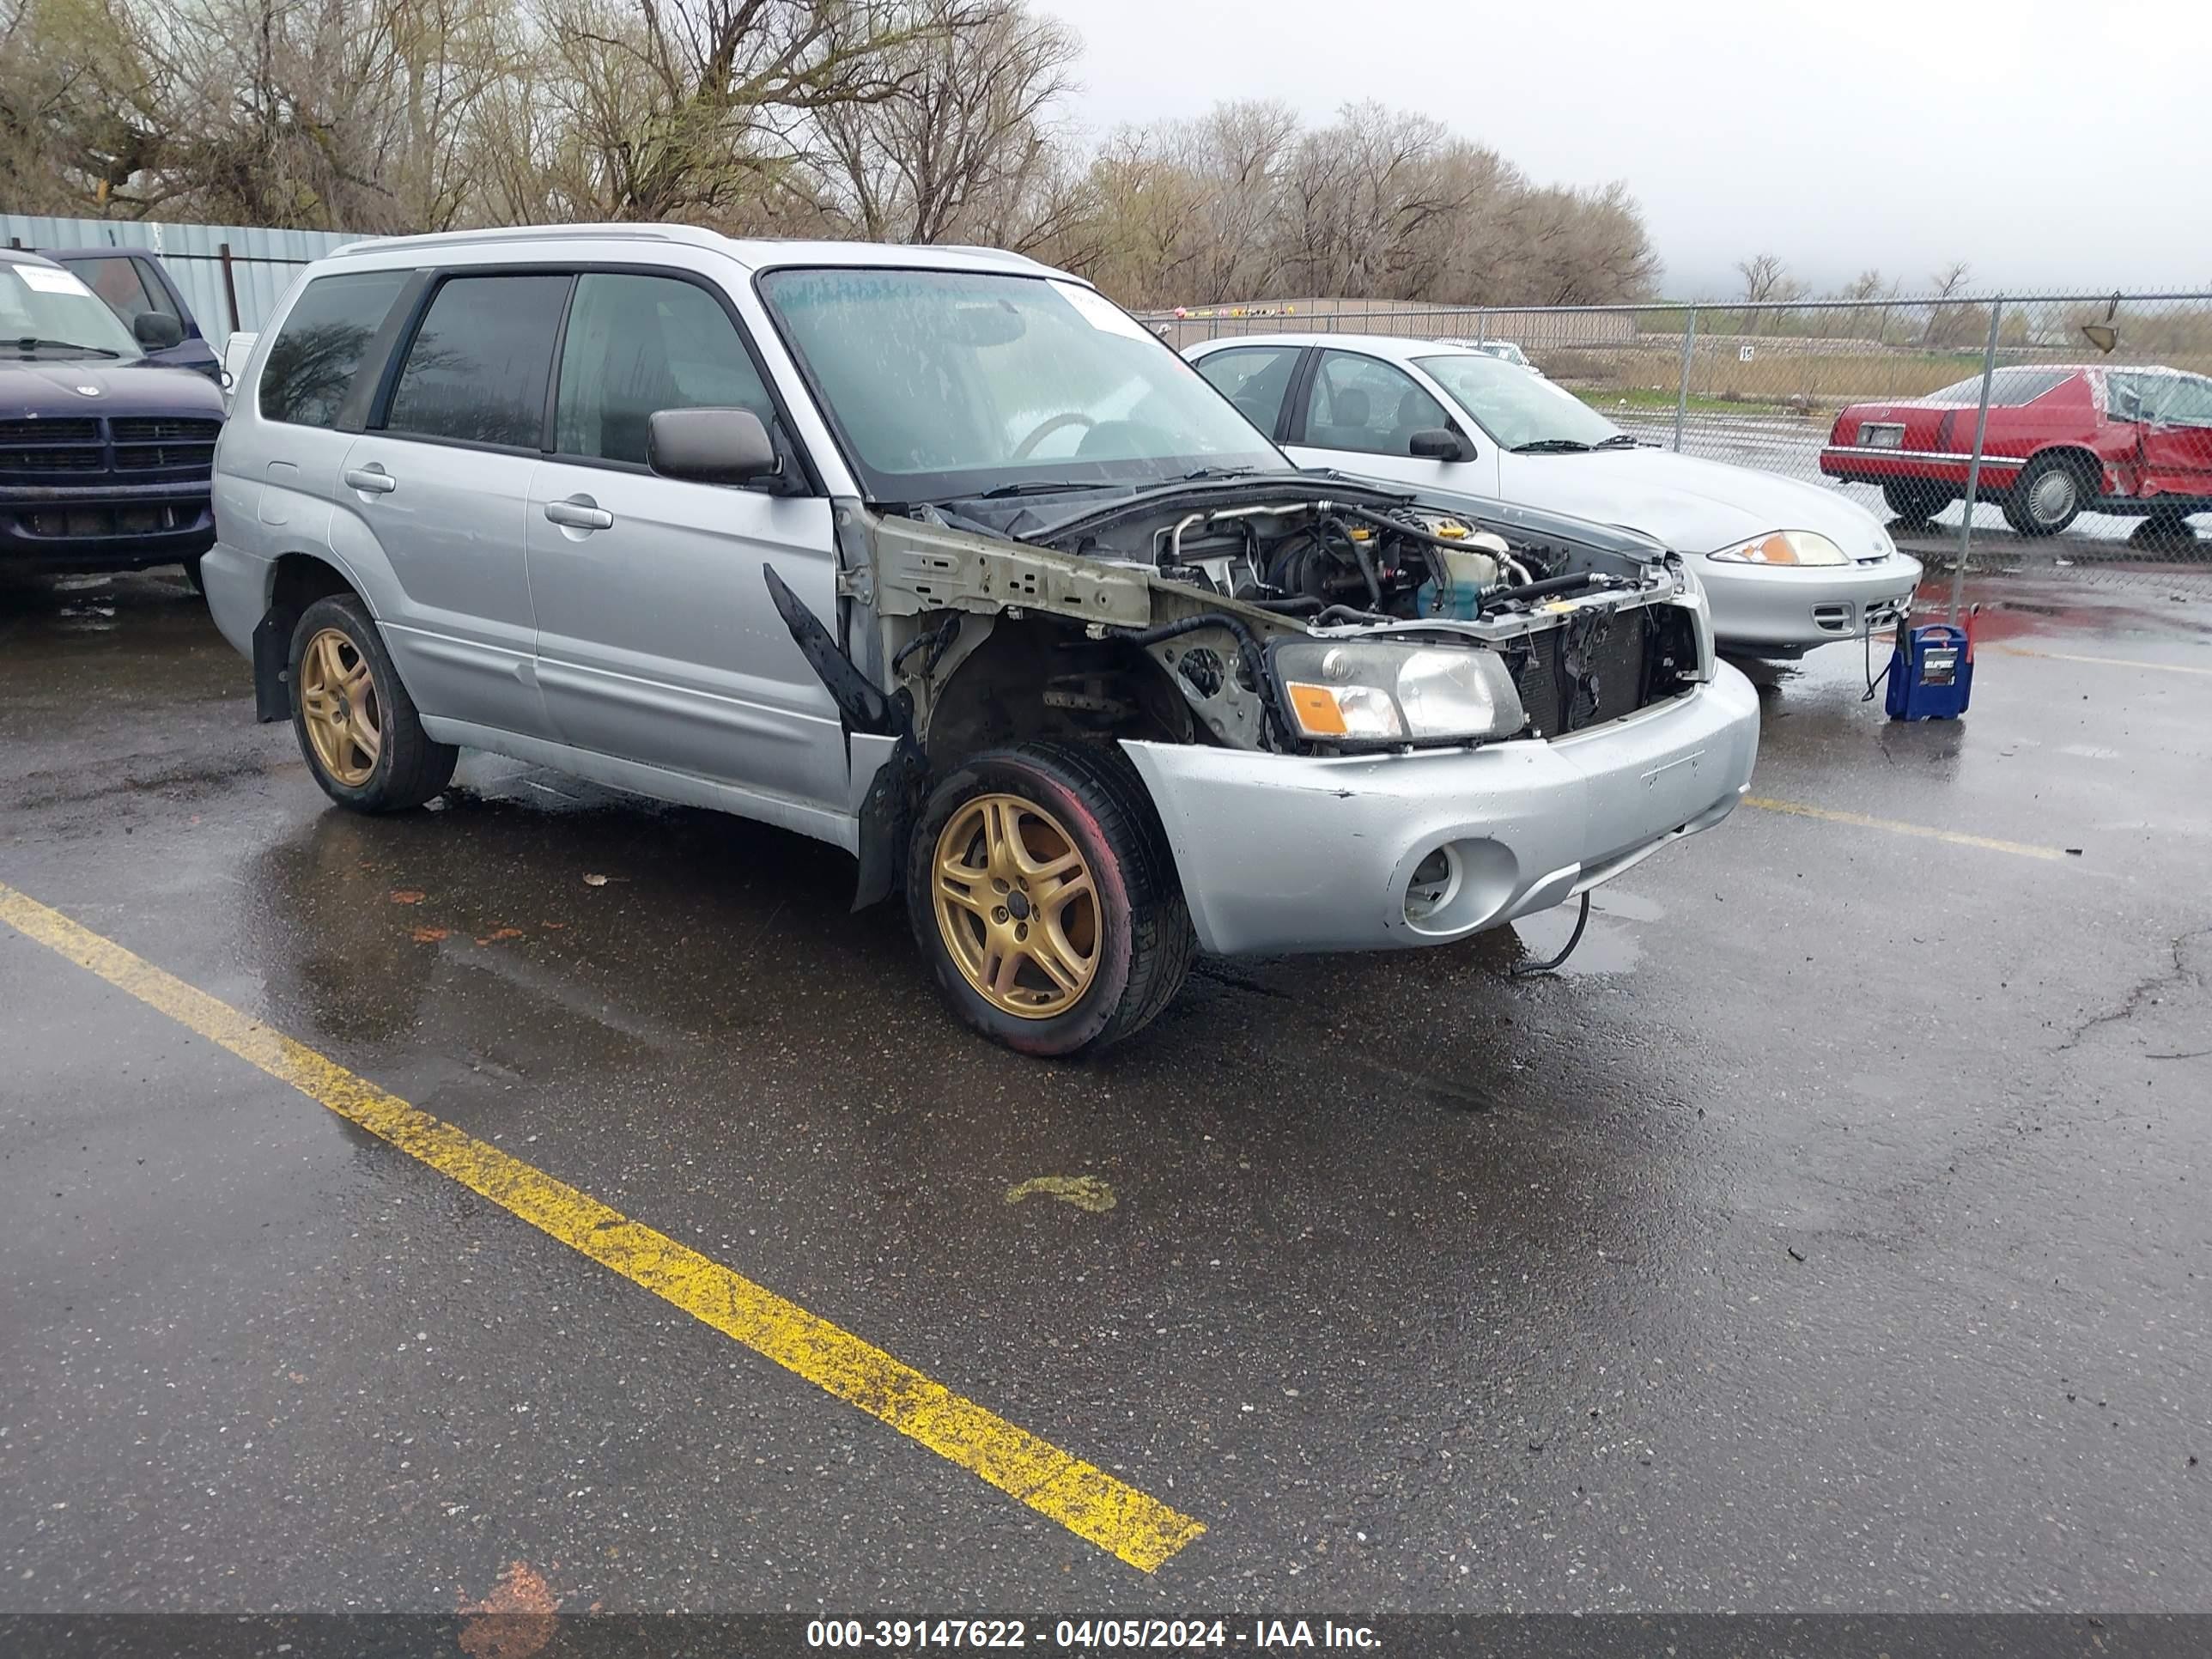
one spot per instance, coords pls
(1786, 565)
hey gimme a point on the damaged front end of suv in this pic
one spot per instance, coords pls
(1269, 616)
(1165, 692)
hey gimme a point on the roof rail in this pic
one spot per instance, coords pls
(692, 234)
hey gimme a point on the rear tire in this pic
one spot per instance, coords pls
(2047, 496)
(1040, 889)
(1917, 500)
(355, 723)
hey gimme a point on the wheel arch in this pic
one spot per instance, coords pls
(296, 579)
(2083, 459)
(1023, 682)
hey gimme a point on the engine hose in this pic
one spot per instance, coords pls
(1329, 526)
(1399, 527)
(1294, 604)
(1412, 533)
(1248, 648)
(1550, 585)
(1367, 570)
(1345, 613)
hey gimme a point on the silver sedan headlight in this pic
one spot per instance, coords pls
(1369, 691)
(1785, 547)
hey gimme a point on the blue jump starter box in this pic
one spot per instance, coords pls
(1931, 673)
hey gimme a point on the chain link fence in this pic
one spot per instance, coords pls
(2094, 456)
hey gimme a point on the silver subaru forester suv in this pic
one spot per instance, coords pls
(937, 555)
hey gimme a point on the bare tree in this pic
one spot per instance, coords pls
(1949, 324)
(1236, 154)
(1947, 283)
(686, 108)
(1766, 279)
(893, 119)
(966, 120)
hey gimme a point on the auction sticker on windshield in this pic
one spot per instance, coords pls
(51, 282)
(1099, 311)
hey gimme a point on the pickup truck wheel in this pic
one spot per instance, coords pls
(357, 725)
(2047, 497)
(1917, 500)
(1040, 889)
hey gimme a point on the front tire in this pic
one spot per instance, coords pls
(1041, 890)
(2047, 497)
(357, 725)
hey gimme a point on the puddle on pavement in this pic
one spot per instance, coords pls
(1606, 947)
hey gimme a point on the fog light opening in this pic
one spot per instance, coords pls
(1435, 885)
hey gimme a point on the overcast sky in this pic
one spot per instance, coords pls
(2068, 145)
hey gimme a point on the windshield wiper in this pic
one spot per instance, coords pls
(1219, 473)
(1037, 487)
(31, 343)
(1619, 440)
(1551, 447)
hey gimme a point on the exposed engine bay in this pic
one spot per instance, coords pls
(1288, 613)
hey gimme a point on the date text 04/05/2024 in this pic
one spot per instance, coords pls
(1083, 1634)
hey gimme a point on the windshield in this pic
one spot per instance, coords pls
(943, 385)
(45, 312)
(1515, 407)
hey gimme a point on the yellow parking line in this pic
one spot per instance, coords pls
(1081, 1497)
(2102, 662)
(1987, 843)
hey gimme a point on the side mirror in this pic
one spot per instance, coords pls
(1439, 444)
(157, 331)
(710, 445)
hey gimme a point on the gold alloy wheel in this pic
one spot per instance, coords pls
(337, 699)
(1016, 906)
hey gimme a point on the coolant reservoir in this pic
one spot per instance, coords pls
(1468, 570)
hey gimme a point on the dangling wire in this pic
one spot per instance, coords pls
(1873, 680)
(1524, 969)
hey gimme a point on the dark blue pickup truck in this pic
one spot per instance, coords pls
(104, 458)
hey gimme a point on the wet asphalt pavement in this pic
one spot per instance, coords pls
(1836, 1234)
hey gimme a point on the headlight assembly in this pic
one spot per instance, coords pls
(1795, 547)
(1355, 692)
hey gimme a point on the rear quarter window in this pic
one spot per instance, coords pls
(316, 354)
(2010, 388)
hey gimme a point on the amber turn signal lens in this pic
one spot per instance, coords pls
(1315, 707)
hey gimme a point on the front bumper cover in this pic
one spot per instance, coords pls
(1800, 606)
(1281, 853)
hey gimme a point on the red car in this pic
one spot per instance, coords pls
(2062, 439)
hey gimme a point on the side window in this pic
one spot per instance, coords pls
(311, 361)
(638, 344)
(2127, 396)
(2182, 400)
(1362, 404)
(157, 296)
(118, 282)
(1254, 378)
(477, 369)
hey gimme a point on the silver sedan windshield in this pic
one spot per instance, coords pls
(1514, 406)
(949, 384)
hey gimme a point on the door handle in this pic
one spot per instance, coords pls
(580, 513)
(372, 478)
